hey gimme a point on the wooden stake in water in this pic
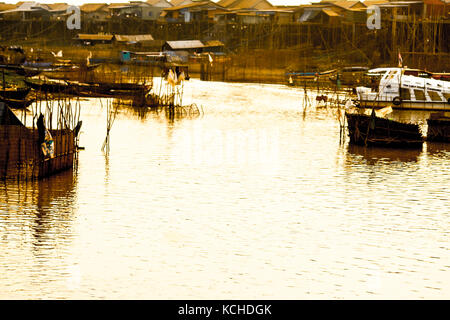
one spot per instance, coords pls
(110, 117)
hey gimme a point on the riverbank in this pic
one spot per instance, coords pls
(250, 65)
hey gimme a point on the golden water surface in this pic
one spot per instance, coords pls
(254, 199)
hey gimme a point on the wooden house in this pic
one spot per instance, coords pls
(246, 4)
(191, 46)
(58, 11)
(94, 11)
(132, 9)
(27, 11)
(196, 11)
(157, 6)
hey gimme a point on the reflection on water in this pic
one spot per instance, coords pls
(375, 155)
(254, 199)
(438, 149)
(36, 229)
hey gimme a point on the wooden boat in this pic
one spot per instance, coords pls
(110, 89)
(49, 85)
(439, 127)
(297, 77)
(21, 70)
(88, 89)
(17, 104)
(350, 75)
(69, 71)
(14, 92)
(22, 154)
(400, 88)
(376, 131)
(40, 64)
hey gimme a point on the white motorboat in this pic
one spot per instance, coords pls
(396, 87)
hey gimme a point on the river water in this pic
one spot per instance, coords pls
(256, 198)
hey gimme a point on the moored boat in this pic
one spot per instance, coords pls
(14, 92)
(16, 104)
(439, 127)
(403, 90)
(298, 77)
(109, 89)
(48, 85)
(371, 130)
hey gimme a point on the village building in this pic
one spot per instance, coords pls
(94, 12)
(196, 11)
(157, 6)
(252, 11)
(214, 46)
(177, 3)
(246, 4)
(317, 13)
(191, 46)
(29, 10)
(93, 39)
(138, 40)
(58, 11)
(132, 9)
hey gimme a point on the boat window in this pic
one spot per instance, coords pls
(405, 94)
(434, 96)
(424, 75)
(420, 95)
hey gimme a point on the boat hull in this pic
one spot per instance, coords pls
(16, 104)
(51, 86)
(17, 94)
(406, 105)
(374, 131)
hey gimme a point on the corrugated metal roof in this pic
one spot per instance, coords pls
(251, 4)
(330, 13)
(58, 6)
(185, 44)
(195, 4)
(92, 7)
(133, 38)
(176, 3)
(120, 5)
(28, 7)
(84, 36)
(226, 3)
(369, 3)
(345, 4)
(155, 2)
(308, 15)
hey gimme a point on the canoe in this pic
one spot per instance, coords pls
(51, 86)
